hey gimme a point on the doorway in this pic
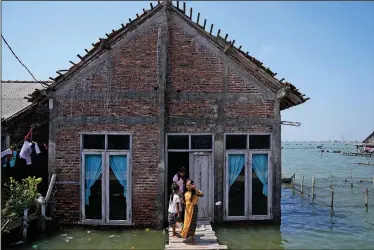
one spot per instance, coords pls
(195, 153)
(176, 160)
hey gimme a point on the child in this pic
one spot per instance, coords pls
(174, 207)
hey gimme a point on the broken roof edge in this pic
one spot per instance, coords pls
(101, 46)
(367, 138)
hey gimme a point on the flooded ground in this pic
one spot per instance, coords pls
(304, 225)
(311, 226)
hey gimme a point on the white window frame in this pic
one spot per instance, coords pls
(248, 182)
(227, 188)
(105, 178)
(83, 189)
(270, 185)
(129, 194)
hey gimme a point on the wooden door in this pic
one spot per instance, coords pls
(200, 173)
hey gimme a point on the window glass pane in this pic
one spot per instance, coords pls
(93, 186)
(259, 142)
(118, 187)
(260, 182)
(201, 142)
(236, 141)
(94, 141)
(119, 142)
(236, 182)
(178, 142)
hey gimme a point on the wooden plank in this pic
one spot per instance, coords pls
(51, 184)
(185, 246)
(204, 235)
(209, 239)
(14, 224)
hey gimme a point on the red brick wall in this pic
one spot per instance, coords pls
(134, 69)
(192, 69)
(196, 69)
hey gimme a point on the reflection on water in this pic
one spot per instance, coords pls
(304, 225)
(99, 239)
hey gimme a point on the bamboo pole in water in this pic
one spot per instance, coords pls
(331, 181)
(313, 188)
(366, 198)
(332, 200)
(302, 185)
(351, 180)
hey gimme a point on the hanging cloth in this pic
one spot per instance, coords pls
(26, 151)
(260, 165)
(92, 173)
(6, 156)
(236, 164)
(12, 162)
(118, 163)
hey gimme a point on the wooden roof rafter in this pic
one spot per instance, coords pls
(254, 66)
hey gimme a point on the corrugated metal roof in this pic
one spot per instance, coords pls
(12, 96)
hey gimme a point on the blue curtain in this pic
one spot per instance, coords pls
(260, 165)
(92, 172)
(236, 164)
(13, 160)
(118, 163)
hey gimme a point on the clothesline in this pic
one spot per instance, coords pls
(10, 155)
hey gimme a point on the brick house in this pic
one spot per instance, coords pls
(157, 94)
(18, 115)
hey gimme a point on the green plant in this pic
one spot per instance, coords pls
(21, 195)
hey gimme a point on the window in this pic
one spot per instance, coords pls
(189, 142)
(93, 141)
(201, 141)
(178, 142)
(259, 141)
(236, 141)
(120, 142)
(248, 177)
(106, 178)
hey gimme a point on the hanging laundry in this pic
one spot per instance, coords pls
(12, 162)
(26, 151)
(6, 156)
(6, 152)
(37, 149)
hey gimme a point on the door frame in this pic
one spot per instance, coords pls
(210, 179)
(212, 193)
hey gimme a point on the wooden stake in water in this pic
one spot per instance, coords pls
(332, 200)
(351, 180)
(331, 181)
(313, 186)
(302, 185)
(366, 198)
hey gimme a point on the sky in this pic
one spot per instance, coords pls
(326, 49)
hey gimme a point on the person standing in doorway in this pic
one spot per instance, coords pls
(180, 179)
(191, 198)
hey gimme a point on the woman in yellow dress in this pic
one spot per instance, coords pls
(191, 198)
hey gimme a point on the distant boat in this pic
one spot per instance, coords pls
(288, 180)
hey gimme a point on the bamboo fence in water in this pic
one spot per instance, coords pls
(336, 192)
